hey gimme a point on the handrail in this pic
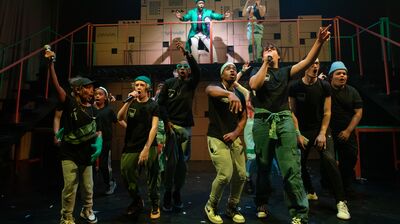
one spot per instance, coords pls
(41, 49)
(26, 38)
(336, 38)
(369, 31)
(23, 59)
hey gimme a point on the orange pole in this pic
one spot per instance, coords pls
(252, 41)
(336, 37)
(46, 94)
(170, 42)
(386, 67)
(88, 45)
(91, 46)
(359, 52)
(338, 41)
(21, 69)
(70, 56)
(211, 42)
(298, 35)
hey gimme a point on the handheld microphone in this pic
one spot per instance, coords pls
(49, 55)
(47, 47)
(269, 58)
(130, 97)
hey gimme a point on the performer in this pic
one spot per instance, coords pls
(227, 115)
(81, 145)
(255, 29)
(346, 114)
(310, 102)
(274, 133)
(140, 117)
(176, 100)
(200, 31)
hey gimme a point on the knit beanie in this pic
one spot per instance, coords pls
(224, 66)
(336, 66)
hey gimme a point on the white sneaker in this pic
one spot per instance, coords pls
(343, 211)
(111, 188)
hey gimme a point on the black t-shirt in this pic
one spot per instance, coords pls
(222, 120)
(273, 95)
(176, 97)
(310, 100)
(76, 116)
(139, 121)
(344, 101)
(105, 118)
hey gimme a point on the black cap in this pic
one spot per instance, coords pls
(81, 81)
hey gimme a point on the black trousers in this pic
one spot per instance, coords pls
(329, 169)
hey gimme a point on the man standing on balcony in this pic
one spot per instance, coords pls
(346, 114)
(255, 28)
(200, 31)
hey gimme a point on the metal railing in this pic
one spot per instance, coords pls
(340, 37)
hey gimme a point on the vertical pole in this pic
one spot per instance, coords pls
(21, 69)
(211, 43)
(298, 36)
(71, 47)
(170, 42)
(360, 63)
(385, 64)
(338, 41)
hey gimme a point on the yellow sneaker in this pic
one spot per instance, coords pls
(312, 197)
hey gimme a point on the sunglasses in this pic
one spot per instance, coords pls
(179, 66)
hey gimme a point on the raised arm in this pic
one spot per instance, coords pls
(245, 8)
(323, 36)
(257, 80)
(262, 8)
(61, 92)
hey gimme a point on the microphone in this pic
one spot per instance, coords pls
(48, 53)
(130, 97)
(269, 58)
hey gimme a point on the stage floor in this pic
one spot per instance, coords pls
(33, 196)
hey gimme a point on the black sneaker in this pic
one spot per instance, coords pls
(262, 211)
(167, 205)
(135, 207)
(177, 199)
(88, 215)
(233, 213)
(155, 211)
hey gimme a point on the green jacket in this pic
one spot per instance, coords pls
(192, 16)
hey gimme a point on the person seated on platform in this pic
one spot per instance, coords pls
(200, 30)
